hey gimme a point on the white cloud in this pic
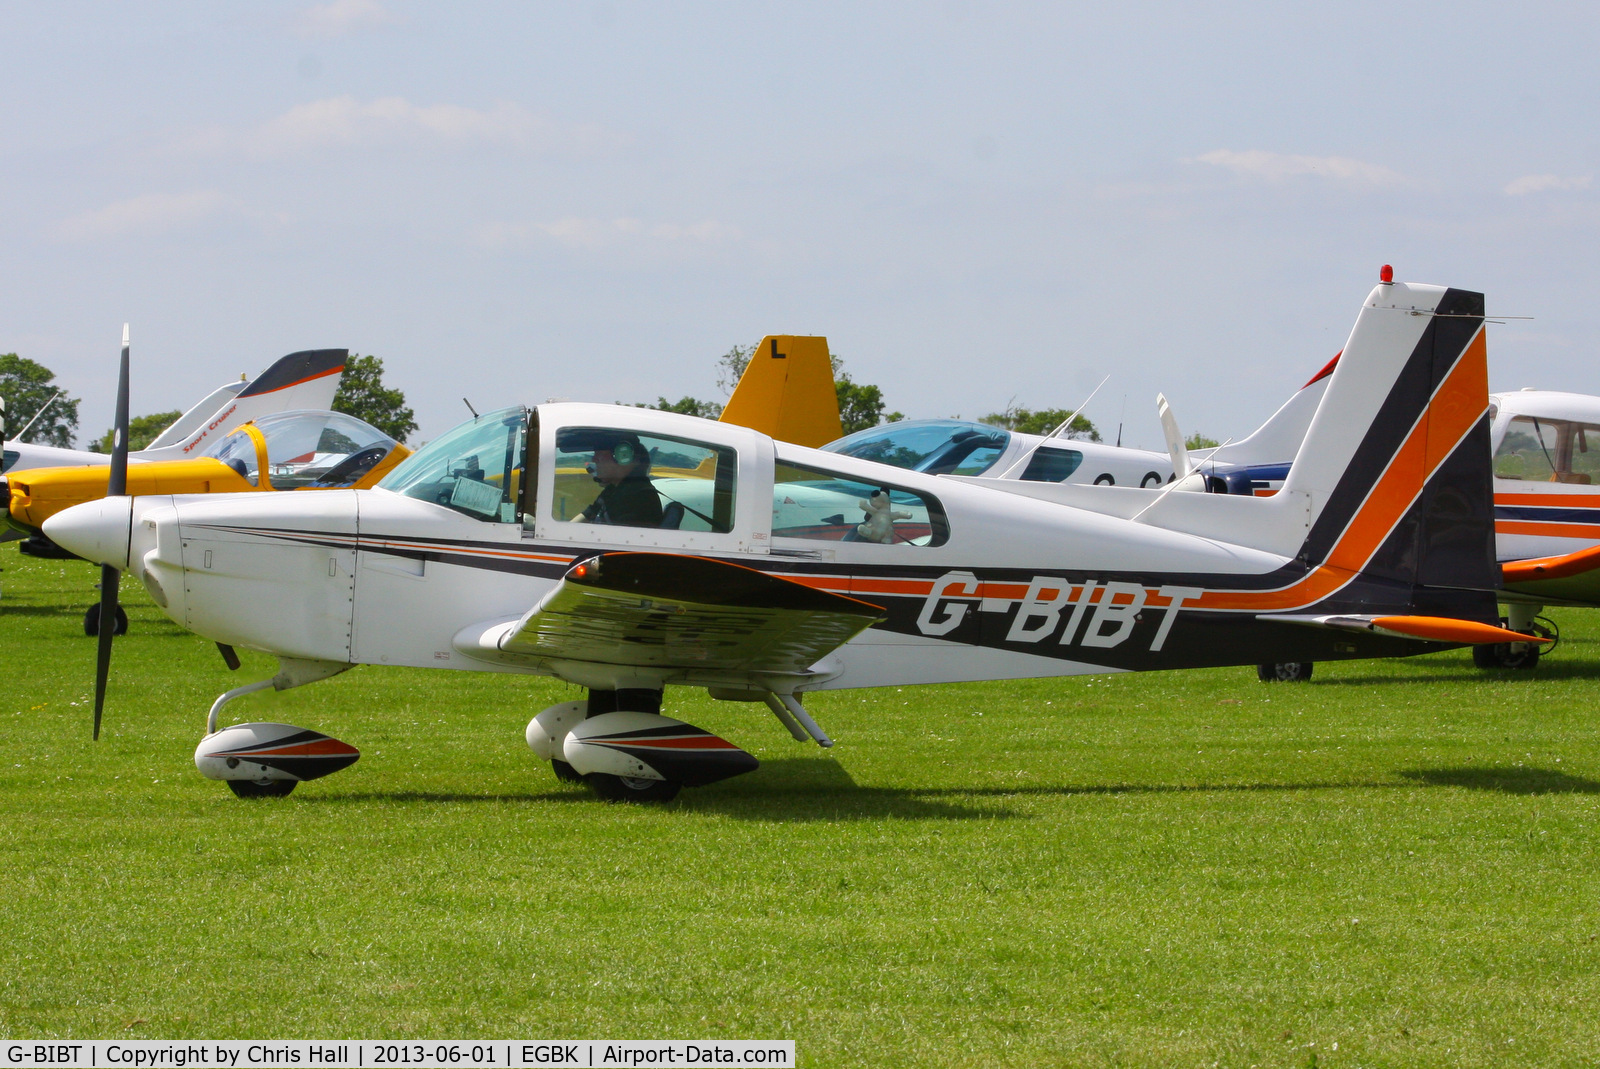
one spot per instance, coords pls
(339, 17)
(1276, 166)
(578, 233)
(346, 122)
(1542, 183)
(151, 214)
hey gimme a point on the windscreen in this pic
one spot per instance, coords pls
(473, 469)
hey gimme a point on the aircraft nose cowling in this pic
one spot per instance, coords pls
(95, 530)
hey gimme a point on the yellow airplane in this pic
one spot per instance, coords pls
(787, 392)
(304, 450)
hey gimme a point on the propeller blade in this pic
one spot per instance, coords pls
(110, 577)
(119, 440)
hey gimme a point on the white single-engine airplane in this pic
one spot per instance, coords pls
(762, 571)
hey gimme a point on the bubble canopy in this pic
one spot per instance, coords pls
(935, 446)
(305, 449)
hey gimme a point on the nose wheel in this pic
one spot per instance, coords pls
(243, 788)
(627, 789)
(91, 621)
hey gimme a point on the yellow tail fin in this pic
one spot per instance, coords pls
(787, 392)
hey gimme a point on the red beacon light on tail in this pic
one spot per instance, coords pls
(1386, 275)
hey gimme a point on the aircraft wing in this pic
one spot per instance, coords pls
(1571, 578)
(675, 612)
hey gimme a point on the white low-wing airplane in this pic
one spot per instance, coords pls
(762, 571)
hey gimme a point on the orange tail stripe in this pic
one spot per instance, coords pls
(1456, 406)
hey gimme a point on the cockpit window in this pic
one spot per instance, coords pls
(611, 475)
(812, 503)
(935, 446)
(317, 449)
(1050, 464)
(9, 458)
(473, 469)
(1549, 450)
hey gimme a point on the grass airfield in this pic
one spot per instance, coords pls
(1395, 864)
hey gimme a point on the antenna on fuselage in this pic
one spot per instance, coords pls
(23, 433)
(1026, 457)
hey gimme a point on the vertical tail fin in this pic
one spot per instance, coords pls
(787, 392)
(1389, 500)
(1395, 465)
(307, 379)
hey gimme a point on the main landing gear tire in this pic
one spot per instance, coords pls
(565, 772)
(91, 623)
(1501, 655)
(626, 789)
(1285, 672)
(278, 788)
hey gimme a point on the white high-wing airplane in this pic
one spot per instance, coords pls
(762, 571)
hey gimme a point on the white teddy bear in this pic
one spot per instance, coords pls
(879, 525)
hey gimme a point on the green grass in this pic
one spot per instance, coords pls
(1398, 858)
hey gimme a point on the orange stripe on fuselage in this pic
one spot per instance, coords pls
(1557, 500)
(1549, 530)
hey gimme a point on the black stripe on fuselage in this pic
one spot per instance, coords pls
(1548, 514)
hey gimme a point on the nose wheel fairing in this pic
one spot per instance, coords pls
(265, 753)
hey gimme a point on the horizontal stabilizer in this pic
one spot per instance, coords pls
(1568, 577)
(1427, 628)
(1564, 566)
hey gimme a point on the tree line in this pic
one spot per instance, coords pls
(28, 385)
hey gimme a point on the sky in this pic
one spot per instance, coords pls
(980, 205)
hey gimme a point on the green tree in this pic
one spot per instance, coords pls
(1043, 421)
(142, 430)
(363, 395)
(730, 367)
(860, 404)
(687, 405)
(26, 386)
(1199, 441)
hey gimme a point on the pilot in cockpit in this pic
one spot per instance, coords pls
(621, 466)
